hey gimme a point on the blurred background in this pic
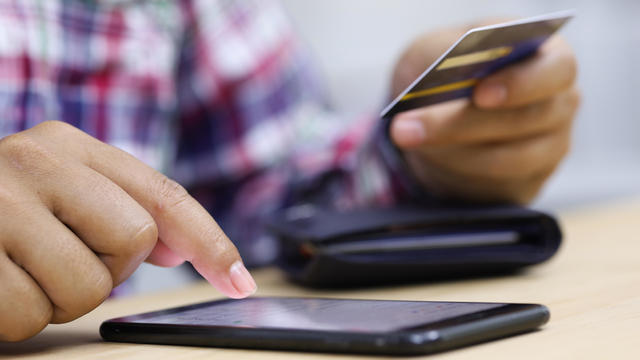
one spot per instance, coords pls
(356, 43)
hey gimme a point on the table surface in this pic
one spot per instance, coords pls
(592, 287)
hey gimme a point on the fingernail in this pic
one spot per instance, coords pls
(407, 131)
(491, 95)
(241, 279)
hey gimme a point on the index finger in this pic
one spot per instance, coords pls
(549, 71)
(184, 226)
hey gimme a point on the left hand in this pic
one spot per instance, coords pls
(503, 143)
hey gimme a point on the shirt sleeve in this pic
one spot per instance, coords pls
(255, 131)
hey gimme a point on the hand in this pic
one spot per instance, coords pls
(78, 216)
(499, 146)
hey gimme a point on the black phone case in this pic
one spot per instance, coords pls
(512, 319)
(305, 235)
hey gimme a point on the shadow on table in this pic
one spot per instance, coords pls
(48, 342)
(418, 279)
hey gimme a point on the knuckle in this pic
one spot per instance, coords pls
(94, 287)
(26, 328)
(24, 152)
(169, 194)
(516, 191)
(100, 287)
(101, 290)
(15, 144)
(528, 190)
(28, 317)
(131, 251)
(508, 164)
(10, 202)
(563, 109)
(521, 195)
(564, 145)
(575, 98)
(537, 112)
(55, 128)
(144, 238)
(570, 65)
(21, 332)
(103, 284)
(500, 165)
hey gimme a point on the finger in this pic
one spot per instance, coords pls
(515, 160)
(25, 309)
(458, 123)
(163, 256)
(102, 215)
(447, 184)
(183, 224)
(551, 69)
(71, 275)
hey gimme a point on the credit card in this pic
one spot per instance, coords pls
(478, 53)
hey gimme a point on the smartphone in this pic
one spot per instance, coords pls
(329, 325)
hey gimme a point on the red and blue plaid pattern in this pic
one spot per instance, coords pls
(219, 94)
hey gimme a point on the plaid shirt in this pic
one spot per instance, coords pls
(218, 94)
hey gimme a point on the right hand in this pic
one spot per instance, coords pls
(78, 216)
(501, 145)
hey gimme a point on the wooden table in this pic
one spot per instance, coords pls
(592, 288)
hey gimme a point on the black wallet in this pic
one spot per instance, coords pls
(325, 248)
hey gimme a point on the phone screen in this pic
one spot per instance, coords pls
(316, 314)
